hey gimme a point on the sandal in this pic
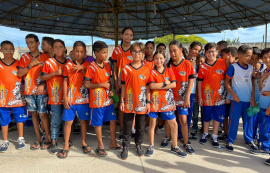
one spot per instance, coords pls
(63, 152)
(101, 150)
(116, 148)
(45, 145)
(36, 144)
(85, 149)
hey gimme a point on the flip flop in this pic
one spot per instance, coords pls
(116, 148)
(63, 152)
(85, 148)
(36, 144)
(102, 150)
(45, 144)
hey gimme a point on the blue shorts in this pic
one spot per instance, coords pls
(227, 111)
(100, 115)
(165, 115)
(216, 113)
(37, 103)
(19, 114)
(181, 110)
(82, 110)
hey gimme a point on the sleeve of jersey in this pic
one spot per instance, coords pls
(230, 72)
(88, 74)
(172, 76)
(114, 56)
(201, 73)
(21, 64)
(65, 71)
(123, 75)
(46, 68)
(191, 73)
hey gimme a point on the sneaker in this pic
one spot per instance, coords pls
(124, 153)
(229, 147)
(222, 137)
(53, 149)
(150, 151)
(178, 152)
(76, 129)
(190, 137)
(188, 148)
(165, 142)
(4, 147)
(182, 140)
(140, 151)
(203, 141)
(21, 144)
(215, 144)
(251, 145)
(160, 130)
(267, 162)
(193, 133)
(133, 131)
(121, 135)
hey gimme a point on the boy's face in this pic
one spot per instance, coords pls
(245, 58)
(195, 50)
(149, 49)
(102, 55)
(8, 50)
(46, 48)
(219, 48)
(59, 49)
(258, 67)
(211, 54)
(32, 44)
(266, 59)
(137, 54)
(162, 48)
(79, 53)
(224, 55)
(199, 61)
(254, 60)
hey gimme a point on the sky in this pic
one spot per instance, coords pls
(246, 35)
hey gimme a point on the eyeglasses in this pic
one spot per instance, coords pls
(137, 52)
(210, 52)
(8, 51)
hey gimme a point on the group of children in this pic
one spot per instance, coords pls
(222, 80)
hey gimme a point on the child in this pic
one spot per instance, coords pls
(161, 82)
(265, 104)
(212, 93)
(135, 98)
(120, 57)
(162, 47)
(200, 59)
(10, 97)
(30, 66)
(221, 45)
(239, 85)
(47, 46)
(184, 74)
(75, 97)
(149, 50)
(52, 73)
(97, 79)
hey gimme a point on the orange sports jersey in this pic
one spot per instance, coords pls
(162, 100)
(150, 64)
(183, 72)
(212, 77)
(98, 97)
(135, 93)
(77, 93)
(32, 78)
(122, 58)
(54, 84)
(10, 85)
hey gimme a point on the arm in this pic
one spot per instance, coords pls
(122, 104)
(252, 101)
(148, 99)
(229, 88)
(90, 85)
(160, 85)
(65, 91)
(199, 87)
(50, 75)
(22, 72)
(115, 77)
(188, 92)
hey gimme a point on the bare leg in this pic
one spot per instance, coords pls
(184, 127)
(215, 127)
(206, 127)
(46, 125)
(133, 125)
(20, 129)
(5, 132)
(152, 126)
(174, 130)
(99, 138)
(83, 130)
(35, 120)
(113, 134)
(67, 131)
(167, 129)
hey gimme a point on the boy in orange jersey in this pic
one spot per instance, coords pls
(10, 96)
(35, 92)
(52, 73)
(97, 79)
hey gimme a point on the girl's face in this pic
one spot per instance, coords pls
(127, 36)
(199, 61)
(59, 49)
(79, 53)
(137, 54)
(175, 52)
(149, 49)
(211, 54)
(266, 59)
(159, 60)
(195, 50)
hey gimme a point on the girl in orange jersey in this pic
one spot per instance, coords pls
(149, 58)
(184, 74)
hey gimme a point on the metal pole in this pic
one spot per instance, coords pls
(92, 45)
(265, 35)
(116, 12)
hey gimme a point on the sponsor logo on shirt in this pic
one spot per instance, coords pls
(182, 73)
(129, 57)
(107, 74)
(246, 80)
(219, 71)
(142, 77)
(15, 73)
(167, 78)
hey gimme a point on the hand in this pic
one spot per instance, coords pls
(107, 85)
(200, 101)
(253, 102)
(167, 82)
(34, 62)
(267, 112)
(186, 103)
(40, 89)
(58, 72)
(122, 106)
(235, 98)
(265, 93)
(147, 108)
(228, 101)
(116, 88)
(66, 103)
(111, 94)
(265, 75)
(78, 67)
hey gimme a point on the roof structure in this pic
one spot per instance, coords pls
(148, 18)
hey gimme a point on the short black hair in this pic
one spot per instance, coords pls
(32, 36)
(6, 42)
(244, 48)
(210, 46)
(150, 42)
(223, 44)
(60, 41)
(79, 43)
(195, 43)
(49, 40)
(233, 51)
(161, 44)
(265, 51)
(99, 45)
(256, 51)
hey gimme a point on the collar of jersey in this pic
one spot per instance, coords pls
(123, 49)
(36, 56)
(178, 63)
(59, 61)
(136, 68)
(242, 66)
(212, 64)
(158, 71)
(100, 66)
(80, 63)
(6, 64)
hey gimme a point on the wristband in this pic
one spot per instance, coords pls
(147, 101)
(28, 67)
(164, 84)
(122, 101)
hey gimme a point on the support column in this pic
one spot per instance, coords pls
(116, 12)
(265, 35)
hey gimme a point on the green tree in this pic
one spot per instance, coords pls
(182, 38)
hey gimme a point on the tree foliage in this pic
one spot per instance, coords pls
(235, 40)
(182, 38)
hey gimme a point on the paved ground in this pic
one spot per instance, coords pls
(206, 158)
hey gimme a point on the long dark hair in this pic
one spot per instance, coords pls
(124, 30)
(179, 45)
(159, 52)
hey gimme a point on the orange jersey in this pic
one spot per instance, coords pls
(150, 64)
(32, 78)
(77, 93)
(183, 72)
(135, 93)
(122, 58)
(98, 97)
(54, 84)
(213, 88)
(162, 100)
(10, 85)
